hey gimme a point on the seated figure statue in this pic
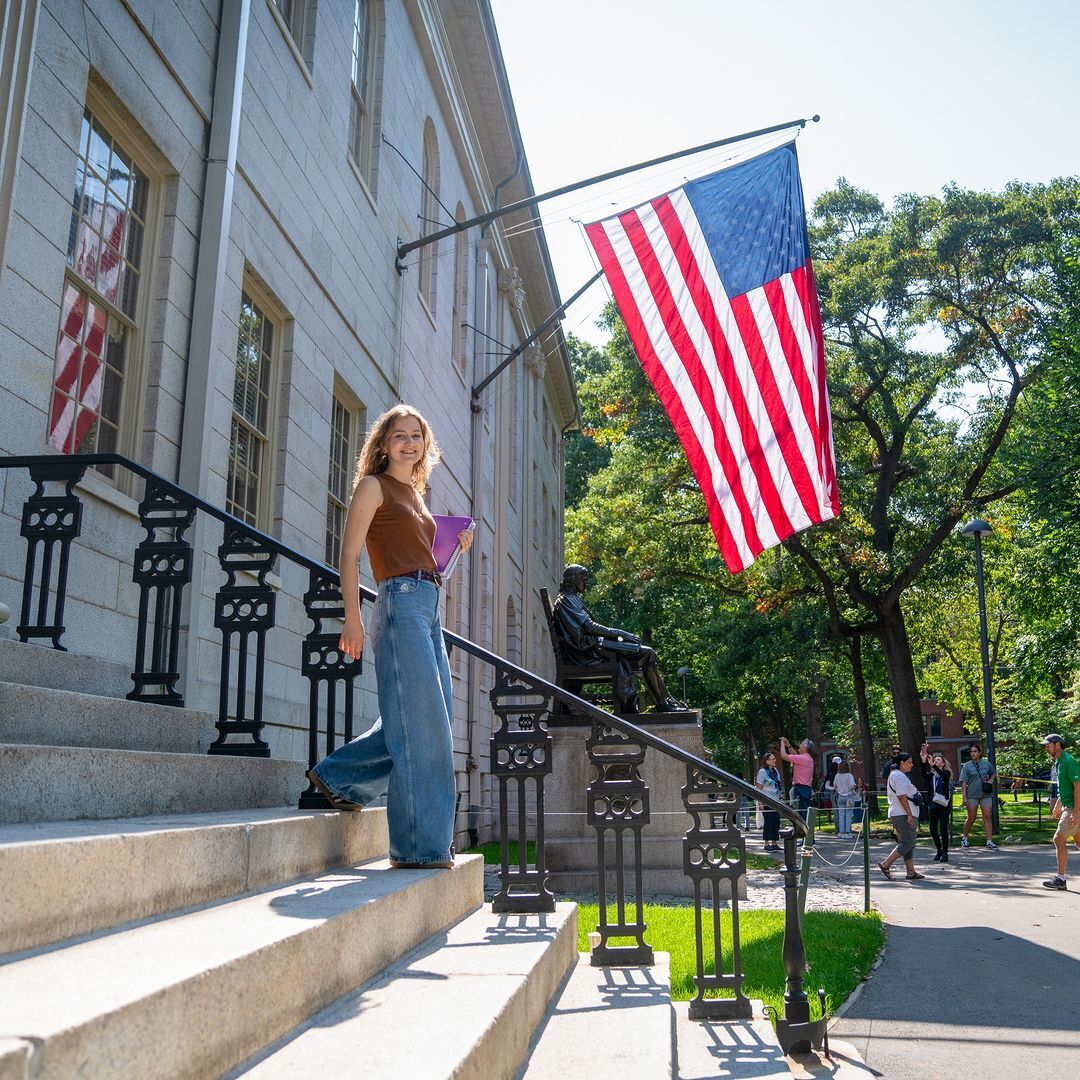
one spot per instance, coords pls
(584, 642)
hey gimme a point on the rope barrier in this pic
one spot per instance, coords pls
(850, 855)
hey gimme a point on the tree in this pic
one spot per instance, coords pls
(757, 644)
(941, 315)
(938, 315)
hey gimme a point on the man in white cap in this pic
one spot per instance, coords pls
(1066, 807)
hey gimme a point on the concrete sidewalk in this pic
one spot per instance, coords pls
(981, 970)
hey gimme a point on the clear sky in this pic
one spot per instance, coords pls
(912, 95)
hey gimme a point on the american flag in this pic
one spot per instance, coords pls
(716, 288)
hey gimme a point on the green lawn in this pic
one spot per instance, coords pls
(492, 852)
(840, 947)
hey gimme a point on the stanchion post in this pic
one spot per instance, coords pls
(807, 857)
(866, 865)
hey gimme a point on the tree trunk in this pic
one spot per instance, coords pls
(910, 728)
(813, 715)
(866, 736)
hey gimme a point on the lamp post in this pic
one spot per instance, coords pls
(978, 528)
(684, 671)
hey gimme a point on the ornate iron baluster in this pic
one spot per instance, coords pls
(48, 521)
(714, 851)
(520, 753)
(795, 1031)
(322, 662)
(618, 802)
(243, 611)
(162, 567)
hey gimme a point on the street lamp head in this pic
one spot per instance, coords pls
(684, 671)
(976, 527)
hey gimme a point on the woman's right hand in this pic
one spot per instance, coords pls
(352, 637)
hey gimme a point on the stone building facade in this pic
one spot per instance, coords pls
(200, 203)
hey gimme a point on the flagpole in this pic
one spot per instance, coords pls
(554, 317)
(532, 200)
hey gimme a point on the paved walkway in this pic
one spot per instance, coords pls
(980, 976)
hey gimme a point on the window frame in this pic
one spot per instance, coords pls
(133, 391)
(299, 48)
(427, 272)
(355, 411)
(265, 516)
(364, 121)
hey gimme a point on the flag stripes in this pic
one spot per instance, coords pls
(741, 377)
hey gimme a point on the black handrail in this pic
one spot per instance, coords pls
(521, 747)
(531, 680)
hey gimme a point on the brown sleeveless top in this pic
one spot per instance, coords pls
(401, 533)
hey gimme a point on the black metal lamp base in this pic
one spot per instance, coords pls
(799, 1038)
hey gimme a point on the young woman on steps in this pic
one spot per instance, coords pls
(408, 753)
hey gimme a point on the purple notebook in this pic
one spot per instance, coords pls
(446, 548)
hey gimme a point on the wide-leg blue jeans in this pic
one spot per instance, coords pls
(408, 753)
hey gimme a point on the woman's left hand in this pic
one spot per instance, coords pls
(465, 539)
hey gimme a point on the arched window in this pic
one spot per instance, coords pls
(461, 295)
(367, 48)
(427, 279)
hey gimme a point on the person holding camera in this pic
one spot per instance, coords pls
(904, 799)
(802, 772)
(977, 776)
(940, 800)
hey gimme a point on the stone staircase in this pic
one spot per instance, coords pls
(170, 914)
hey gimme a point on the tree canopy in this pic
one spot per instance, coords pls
(952, 324)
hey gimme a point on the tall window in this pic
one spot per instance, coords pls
(461, 294)
(366, 35)
(345, 422)
(93, 377)
(249, 444)
(299, 19)
(429, 217)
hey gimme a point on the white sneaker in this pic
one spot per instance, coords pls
(991, 845)
(964, 842)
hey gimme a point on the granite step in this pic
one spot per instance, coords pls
(608, 1023)
(463, 1005)
(42, 665)
(48, 717)
(194, 994)
(63, 879)
(64, 783)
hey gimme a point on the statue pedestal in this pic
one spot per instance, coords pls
(571, 844)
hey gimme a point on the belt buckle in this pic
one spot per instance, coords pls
(436, 577)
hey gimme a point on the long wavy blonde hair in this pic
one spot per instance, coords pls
(373, 456)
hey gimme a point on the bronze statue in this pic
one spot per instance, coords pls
(585, 642)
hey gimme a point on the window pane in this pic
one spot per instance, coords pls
(360, 47)
(99, 152)
(250, 410)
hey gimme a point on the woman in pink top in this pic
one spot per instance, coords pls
(802, 771)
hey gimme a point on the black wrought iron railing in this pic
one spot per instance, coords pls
(617, 799)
